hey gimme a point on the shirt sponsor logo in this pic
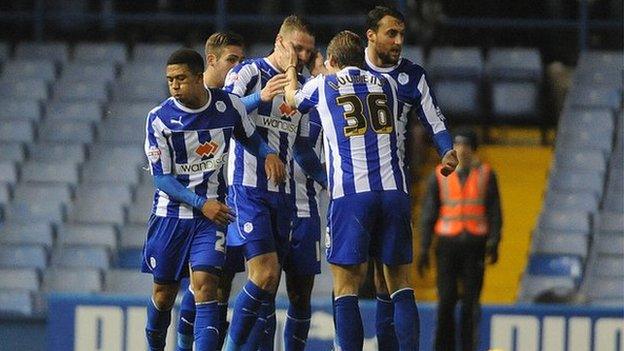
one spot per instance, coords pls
(287, 111)
(279, 124)
(208, 165)
(207, 149)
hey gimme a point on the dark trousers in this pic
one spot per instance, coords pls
(460, 260)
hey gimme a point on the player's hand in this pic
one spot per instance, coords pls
(274, 168)
(287, 56)
(316, 64)
(449, 163)
(423, 264)
(274, 86)
(218, 212)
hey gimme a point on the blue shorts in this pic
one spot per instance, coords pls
(234, 260)
(173, 243)
(371, 224)
(304, 251)
(262, 223)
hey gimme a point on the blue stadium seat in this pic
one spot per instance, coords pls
(601, 288)
(565, 180)
(582, 160)
(72, 280)
(601, 59)
(609, 244)
(611, 222)
(455, 63)
(26, 211)
(48, 172)
(460, 99)
(609, 266)
(140, 209)
(594, 96)
(66, 131)
(145, 72)
(17, 131)
(129, 258)
(515, 100)
(34, 192)
(96, 170)
(8, 172)
(129, 110)
(16, 302)
(32, 68)
(100, 52)
(132, 236)
(140, 91)
(613, 202)
(561, 243)
(57, 152)
(414, 54)
(19, 279)
(33, 233)
(87, 111)
(5, 194)
(117, 155)
(584, 140)
(12, 152)
(518, 64)
(77, 71)
(555, 265)
(580, 118)
(122, 131)
(23, 256)
(90, 199)
(15, 110)
(101, 235)
(33, 89)
(532, 285)
(124, 281)
(5, 51)
(569, 221)
(81, 257)
(57, 51)
(603, 77)
(86, 91)
(582, 201)
(150, 52)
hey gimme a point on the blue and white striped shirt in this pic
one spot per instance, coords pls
(276, 122)
(193, 145)
(358, 112)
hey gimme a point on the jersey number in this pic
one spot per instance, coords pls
(380, 115)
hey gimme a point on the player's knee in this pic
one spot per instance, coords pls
(266, 279)
(224, 288)
(299, 290)
(205, 286)
(164, 298)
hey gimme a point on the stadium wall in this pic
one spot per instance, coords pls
(116, 323)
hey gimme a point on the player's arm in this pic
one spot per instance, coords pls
(245, 133)
(274, 87)
(158, 153)
(304, 155)
(433, 120)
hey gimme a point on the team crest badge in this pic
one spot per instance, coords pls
(220, 106)
(403, 78)
(248, 227)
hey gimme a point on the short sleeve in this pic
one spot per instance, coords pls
(307, 97)
(244, 124)
(241, 79)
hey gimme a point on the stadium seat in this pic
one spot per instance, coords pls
(16, 110)
(102, 72)
(132, 236)
(600, 119)
(611, 222)
(57, 152)
(8, 172)
(86, 91)
(72, 280)
(5, 194)
(613, 202)
(455, 63)
(39, 69)
(35, 192)
(19, 279)
(514, 64)
(123, 156)
(145, 72)
(48, 172)
(26, 211)
(584, 140)
(33, 233)
(88, 111)
(129, 110)
(132, 282)
(12, 152)
(608, 266)
(594, 96)
(555, 265)
(260, 49)
(81, 257)
(560, 243)
(566, 180)
(17, 302)
(23, 256)
(570, 221)
(515, 100)
(99, 203)
(140, 91)
(533, 285)
(460, 99)
(600, 59)
(582, 201)
(101, 235)
(33, 89)
(122, 131)
(17, 131)
(603, 78)
(129, 258)
(609, 244)
(414, 54)
(100, 52)
(582, 160)
(140, 209)
(66, 131)
(150, 52)
(56, 51)
(600, 288)
(96, 170)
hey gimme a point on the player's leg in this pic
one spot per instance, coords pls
(234, 263)
(164, 256)
(186, 320)
(394, 242)
(472, 282)
(349, 329)
(302, 263)
(384, 313)
(447, 294)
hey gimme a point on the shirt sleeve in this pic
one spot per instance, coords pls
(431, 117)
(241, 79)
(307, 97)
(156, 147)
(244, 125)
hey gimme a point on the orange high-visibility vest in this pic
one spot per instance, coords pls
(463, 208)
